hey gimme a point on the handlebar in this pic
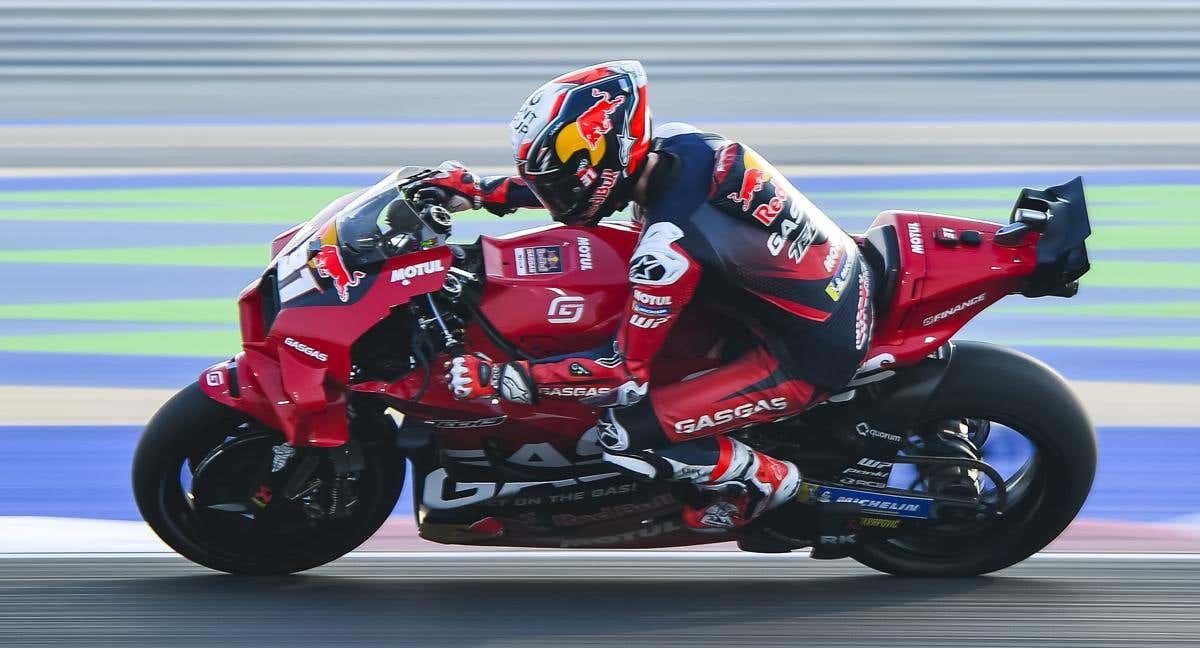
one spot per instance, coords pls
(427, 196)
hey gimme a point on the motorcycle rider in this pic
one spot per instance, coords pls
(718, 221)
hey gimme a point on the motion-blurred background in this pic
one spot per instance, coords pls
(149, 151)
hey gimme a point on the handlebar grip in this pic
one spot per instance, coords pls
(432, 196)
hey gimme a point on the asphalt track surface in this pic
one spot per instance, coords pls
(598, 599)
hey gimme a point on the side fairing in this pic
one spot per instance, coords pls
(299, 322)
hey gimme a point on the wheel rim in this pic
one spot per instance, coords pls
(278, 533)
(1022, 464)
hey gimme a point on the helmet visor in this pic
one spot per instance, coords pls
(563, 195)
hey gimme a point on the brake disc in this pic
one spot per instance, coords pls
(231, 476)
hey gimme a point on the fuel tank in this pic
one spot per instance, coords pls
(558, 289)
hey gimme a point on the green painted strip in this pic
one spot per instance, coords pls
(265, 194)
(240, 214)
(190, 311)
(1147, 237)
(286, 205)
(1176, 343)
(1184, 309)
(212, 205)
(1139, 274)
(1151, 213)
(1166, 203)
(225, 256)
(211, 343)
(243, 214)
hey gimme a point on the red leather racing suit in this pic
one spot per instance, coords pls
(726, 225)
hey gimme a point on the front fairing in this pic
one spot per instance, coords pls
(318, 296)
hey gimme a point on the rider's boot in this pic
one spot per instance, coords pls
(736, 482)
(735, 500)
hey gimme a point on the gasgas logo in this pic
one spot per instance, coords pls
(406, 274)
(305, 349)
(329, 264)
(721, 417)
(443, 492)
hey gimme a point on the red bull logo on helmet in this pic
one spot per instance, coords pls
(596, 122)
(329, 264)
(590, 129)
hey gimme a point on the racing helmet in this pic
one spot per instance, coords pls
(580, 139)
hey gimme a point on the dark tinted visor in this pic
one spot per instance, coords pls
(562, 193)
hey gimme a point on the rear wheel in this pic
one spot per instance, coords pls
(991, 388)
(234, 497)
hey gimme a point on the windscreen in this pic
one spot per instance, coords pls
(381, 223)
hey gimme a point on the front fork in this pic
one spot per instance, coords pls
(293, 475)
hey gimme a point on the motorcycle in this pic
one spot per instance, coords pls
(939, 458)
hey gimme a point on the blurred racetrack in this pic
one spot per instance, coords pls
(150, 150)
(598, 599)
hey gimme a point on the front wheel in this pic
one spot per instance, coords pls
(989, 387)
(234, 497)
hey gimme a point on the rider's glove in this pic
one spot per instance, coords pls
(461, 185)
(476, 376)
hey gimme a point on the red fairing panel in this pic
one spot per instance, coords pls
(557, 289)
(663, 279)
(295, 400)
(292, 377)
(943, 283)
(331, 329)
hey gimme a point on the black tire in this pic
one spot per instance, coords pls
(189, 425)
(1008, 387)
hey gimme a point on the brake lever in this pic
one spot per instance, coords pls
(414, 184)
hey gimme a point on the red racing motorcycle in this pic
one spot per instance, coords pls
(294, 451)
